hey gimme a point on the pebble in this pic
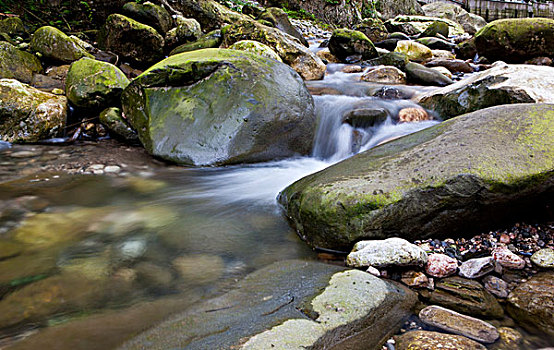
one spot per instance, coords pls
(544, 258)
(372, 270)
(504, 256)
(389, 252)
(475, 268)
(441, 265)
(496, 286)
(112, 169)
(457, 323)
(416, 279)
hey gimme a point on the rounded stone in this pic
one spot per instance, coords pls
(506, 258)
(389, 252)
(441, 265)
(414, 50)
(256, 48)
(385, 75)
(425, 340)
(54, 45)
(544, 258)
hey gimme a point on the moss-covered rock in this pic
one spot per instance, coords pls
(12, 26)
(54, 45)
(416, 25)
(16, 64)
(112, 119)
(255, 47)
(290, 305)
(210, 40)
(412, 188)
(187, 30)
(373, 28)
(94, 84)
(132, 40)
(233, 107)
(209, 13)
(466, 50)
(150, 14)
(516, 40)
(345, 42)
(502, 84)
(471, 23)
(29, 115)
(292, 52)
(437, 27)
(395, 59)
(280, 20)
(436, 43)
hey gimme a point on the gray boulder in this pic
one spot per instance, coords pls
(412, 188)
(290, 305)
(502, 84)
(218, 106)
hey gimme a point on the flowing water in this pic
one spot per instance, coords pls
(83, 249)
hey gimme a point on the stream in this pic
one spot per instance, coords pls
(118, 254)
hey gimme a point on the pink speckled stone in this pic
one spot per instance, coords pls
(504, 256)
(441, 265)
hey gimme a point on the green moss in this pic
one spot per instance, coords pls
(53, 44)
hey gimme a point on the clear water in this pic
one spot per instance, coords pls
(89, 252)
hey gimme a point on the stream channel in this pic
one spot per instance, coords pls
(136, 248)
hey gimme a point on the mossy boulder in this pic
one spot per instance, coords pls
(437, 27)
(416, 25)
(28, 114)
(134, 41)
(94, 84)
(450, 179)
(373, 28)
(516, 40)
(16, 64)
(150, 14)
(209, 13)
(345, 42)
(291, 51)
(292, 305)
(112, 118)
(218, 106)
(210, 40)
(256, 48)
(12, 26)
(187, 30)
(54, 45)
(471, 23)
(280, 20)
(502, 84)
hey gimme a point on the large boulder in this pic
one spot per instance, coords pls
(450, 179)
(470, 23)
(516, 40)
(416, 25)
(344, 43)
(218, 106)
(134, 41)
(392, 8)
(373, 28)
(257, 48)
(54, 45)
(209, 13)
(291, 51)
(532, 304)
(28, 114)
(94, 84)
(502, 84)
(280, 20)
(290, 305)
(148, 13)
(17, 64)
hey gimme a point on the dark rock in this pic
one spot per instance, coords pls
(436, 43)
(420, 74)
(344, 43)
(437, 27)
(374, 29)
(395, 59)
(16, 64)
(150, 14)
(280, 20)
(208, 41)
(187, 30)
(466, 50)
(112, 119)
(455, 66)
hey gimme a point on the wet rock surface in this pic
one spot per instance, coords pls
(423, 340)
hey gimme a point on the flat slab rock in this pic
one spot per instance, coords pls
(290, 305)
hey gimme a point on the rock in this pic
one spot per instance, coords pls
(424, 340)
(502, 84)
(503, 256)
(187, 30)
(16, 64)
(112, 119)
(465, 296)
(420, 74)
(466, 50)
(263, 110)
(455, 66)
(442, 55)
(436, 43)
(134, 41)
(296, 55)
(496, 286)
(544, 258)
(365, 117)
(395, 59)
(13, 26)
(415, 279)
(416, 25)
(280, 20)
(453, 322)
(414, 50)
(150, 14)
(388, 252)
(390, 9)
(352, 68)
(509, 339)
(210, 14)
(376, 199)
(10, 249)
(290, 305)
(441, 265)
(256, 48)
(326, 56)
(153, 277)
(471, 23)
(29, 115)
(54, 45)
(443, 71)
(94, 84)
(436, 27)
(199, 269)
(344, 43)
(531, 304)
(412, 114)
(475, 268)
(388, 44)
(208, 41)
(540, 61)
(385, 75)
(373, 28)
(516, 40)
